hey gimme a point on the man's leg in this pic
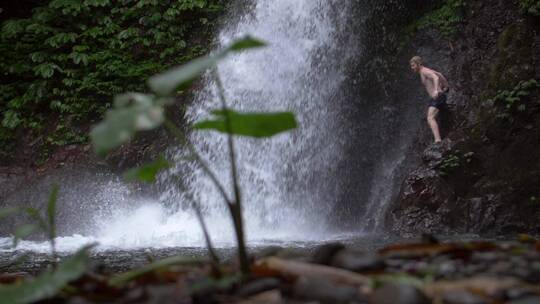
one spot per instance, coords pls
(432, 121)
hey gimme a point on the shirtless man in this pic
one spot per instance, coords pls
(437, 88)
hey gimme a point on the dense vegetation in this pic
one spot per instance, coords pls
(531, 7)
(62, 65)
(444, 17)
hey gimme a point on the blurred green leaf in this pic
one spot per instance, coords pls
(224, 283)
(5, 212)
(168, 82)
(51, 211)
(34, 214)
(22, 232)
(250, 124)
(49, 283)
(246, 43)
(124, 278)
(147, 173)
(121, 124)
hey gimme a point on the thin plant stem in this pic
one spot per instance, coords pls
(211, 252)
(236, 208)
(53, 252)
(184, 141)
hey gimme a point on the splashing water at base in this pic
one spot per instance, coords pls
(150, 226)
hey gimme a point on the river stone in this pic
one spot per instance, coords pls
(462, 297)
(527, 300)
(357, 261)
(398, 294)
(78, 300)
(165, 294)
(501, 268)
(268, 252)
(258, 286)
(517, 293)
(324, 254)
(486, 257)
(322, 291)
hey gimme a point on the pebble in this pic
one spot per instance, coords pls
(501, 267)
(447, 268)
(486, 257)
(357, 261)
(462, 297)
(324, 254)
(527, 300)
(258, 286)
(517, 293)
(322, 291)
(398, 294)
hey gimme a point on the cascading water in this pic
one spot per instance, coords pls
(284, 178)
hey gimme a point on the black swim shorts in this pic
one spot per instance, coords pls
(439, 102)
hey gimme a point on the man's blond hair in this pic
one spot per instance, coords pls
(417, 59)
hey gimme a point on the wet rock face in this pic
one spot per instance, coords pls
(427, 202)
(486, 177)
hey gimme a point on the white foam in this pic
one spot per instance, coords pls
(149, 226)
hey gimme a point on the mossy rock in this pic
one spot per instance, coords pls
(515, 58)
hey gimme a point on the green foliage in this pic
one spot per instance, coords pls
(46, 224)
(514, 99)
(23, 231)
(453, 161)
(63, 64)
(450, 163)
(531, 7)
(148, 172)
(445, 18)
(49, 283)
(5, 212)
(124, 278)
(257, 125)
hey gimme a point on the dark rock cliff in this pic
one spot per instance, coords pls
(485, 178)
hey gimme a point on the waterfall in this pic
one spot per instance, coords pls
(286, 180)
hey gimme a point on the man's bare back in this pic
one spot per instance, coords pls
(434, 82)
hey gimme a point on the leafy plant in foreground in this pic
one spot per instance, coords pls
(49, 283)
(52, 281)
(45, 224)
(133, 112)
